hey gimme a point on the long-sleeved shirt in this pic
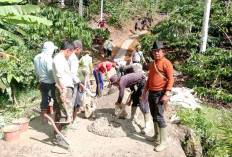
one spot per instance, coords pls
(136, 56)
(74, 64)
(128, 81)
(43, 68)
(155, 81)
(61, 71)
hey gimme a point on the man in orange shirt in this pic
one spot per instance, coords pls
(159, 84)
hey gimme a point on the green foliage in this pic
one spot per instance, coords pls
(100, 34)
(20, 74)
(216, 132)
(73, 27)
(65, 26)
(11, 1)
(210, 72)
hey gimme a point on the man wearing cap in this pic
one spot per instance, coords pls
(44, 75)
(101, 68)
(136, 83)
(74, 65)
(64, 84)
(87, 63)
(159, 84)
(137, 55)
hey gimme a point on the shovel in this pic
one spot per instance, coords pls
(124, 107)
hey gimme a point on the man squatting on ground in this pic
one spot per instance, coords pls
(64, 84)
(136, 83)
(78, 86)
(159, 90)
(102, 67)
(45, 78)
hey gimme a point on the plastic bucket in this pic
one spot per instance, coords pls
(17, 122)
(11, 133)
(25, 123)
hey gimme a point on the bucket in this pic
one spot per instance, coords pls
(17, 122)
(11, 133)
(25, 123)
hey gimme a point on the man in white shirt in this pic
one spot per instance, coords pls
(74, 65)
(64, 84)
(137, 55)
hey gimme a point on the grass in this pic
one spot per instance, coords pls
(213, 126)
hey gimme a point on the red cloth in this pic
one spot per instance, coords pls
(100, 67)
(156, 82)
(101, 23)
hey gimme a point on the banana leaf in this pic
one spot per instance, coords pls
(11, 10)
(28, 19)
(11, 1)
(12, 36)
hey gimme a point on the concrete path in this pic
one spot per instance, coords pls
(122, 52)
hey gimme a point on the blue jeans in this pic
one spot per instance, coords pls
(99, 82)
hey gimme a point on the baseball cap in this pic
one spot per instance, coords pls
(77, 43)
(86, 52)
(139, 46)
(114, 79)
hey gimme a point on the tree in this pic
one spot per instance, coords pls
(205, 25)
(80, 7)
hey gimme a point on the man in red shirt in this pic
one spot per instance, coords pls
(159, 84)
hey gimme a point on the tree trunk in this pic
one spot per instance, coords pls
(101, 9)
(80, 8)
(14, 95)
(205, 25)
(62, 4)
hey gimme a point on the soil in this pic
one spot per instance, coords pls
(102, 135)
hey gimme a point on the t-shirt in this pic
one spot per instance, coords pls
(86, 62)
(100, 67)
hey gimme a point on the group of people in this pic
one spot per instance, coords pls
(151, 94)
(145, 22)
(58, 80)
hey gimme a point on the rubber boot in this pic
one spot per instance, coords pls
(163, 140)
(134, 114)
(147, 128)
(156, 137)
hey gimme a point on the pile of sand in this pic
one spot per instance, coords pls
(107, 125)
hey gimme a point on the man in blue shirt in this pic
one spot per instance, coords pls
(44, 74)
